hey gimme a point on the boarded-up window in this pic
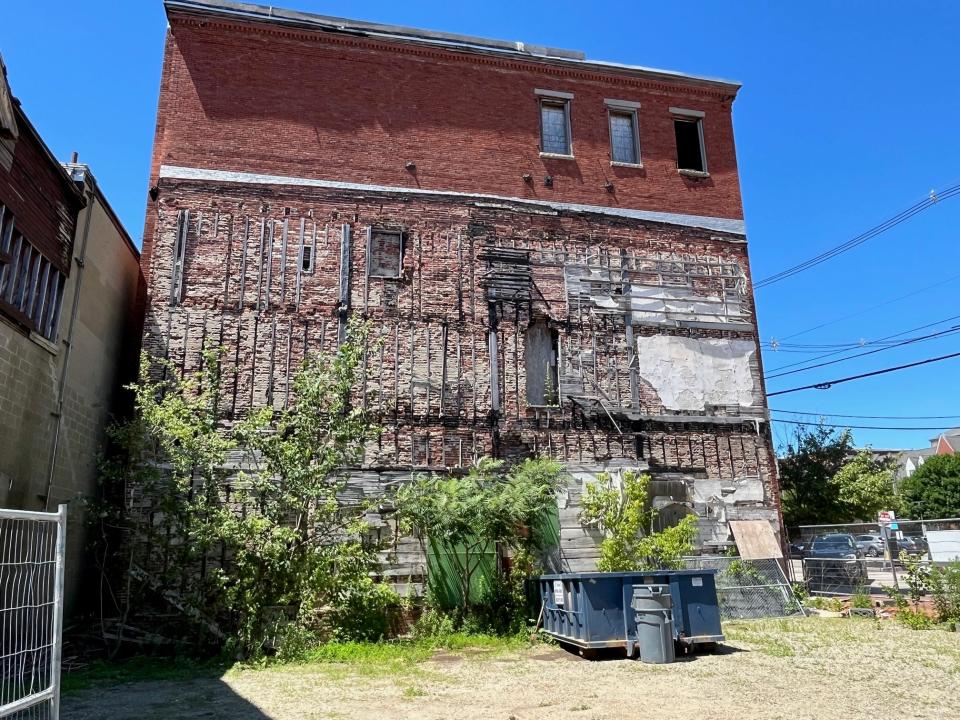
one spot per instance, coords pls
(420, 450)
(385, 249)
(179, 257)
(452, 451)
(540, 362)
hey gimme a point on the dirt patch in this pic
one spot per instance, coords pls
(797, 669)
(554, 654)
(445, 657)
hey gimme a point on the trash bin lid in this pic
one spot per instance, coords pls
(650, 591)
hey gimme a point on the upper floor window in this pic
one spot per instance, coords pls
(555, 123)
(624, 135)
(31, 288)
(688, 129)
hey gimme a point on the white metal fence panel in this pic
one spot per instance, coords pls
(32, 548)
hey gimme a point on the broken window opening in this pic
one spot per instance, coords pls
(689, 135)
(624, 141)
(307, 259)
(555, 127)
(540, 362)
(385, 253)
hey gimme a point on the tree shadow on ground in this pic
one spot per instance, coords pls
(208, 698)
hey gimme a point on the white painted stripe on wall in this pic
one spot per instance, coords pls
(175, 172)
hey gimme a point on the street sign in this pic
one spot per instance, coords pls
(886, 516)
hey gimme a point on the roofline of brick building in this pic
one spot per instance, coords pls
(451, 41)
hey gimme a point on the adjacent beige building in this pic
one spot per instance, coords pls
(69, 326)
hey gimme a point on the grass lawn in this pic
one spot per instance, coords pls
(793, 669)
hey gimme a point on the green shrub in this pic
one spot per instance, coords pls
(365, 612)
(468, 519)
(914, 619)
(861, 599)
(830, 604)
(744, 572)
(434, 623)
(944, 585)
(916, 577)
(620, 510)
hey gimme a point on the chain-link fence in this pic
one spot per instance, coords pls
(865, 557)
(836, 576)
(31, 612)
(909, 536)
(749, 588)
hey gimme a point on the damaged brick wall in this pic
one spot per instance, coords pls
(471, 277)
(400, 178)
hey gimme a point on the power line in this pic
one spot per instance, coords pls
(942, 333)
(862, 427)
(887, 341)
(830, 383)
(950, 279)
(868, 417)
(779, 347)
(873, 232)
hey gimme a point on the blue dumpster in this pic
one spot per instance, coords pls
(593, 610)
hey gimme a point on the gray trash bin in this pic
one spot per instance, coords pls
(654, 617)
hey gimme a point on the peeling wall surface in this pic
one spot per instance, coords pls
(505, 326)
(694, 374)
(482, 351)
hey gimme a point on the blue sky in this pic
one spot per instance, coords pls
(848, 115)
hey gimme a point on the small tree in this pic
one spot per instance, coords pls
(282, 534)
(864, 487)
(933, 491)
(620, 510)
(468, 517)
(812, 459)
(306, 544)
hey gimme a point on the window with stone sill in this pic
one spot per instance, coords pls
(555, 127)
(624, 143)
(691, 156)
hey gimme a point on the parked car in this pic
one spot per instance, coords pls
(798, 549)
(913, 544)
(870, 545)
(834, 563)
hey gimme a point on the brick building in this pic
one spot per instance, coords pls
(70, 324)
(551, 249)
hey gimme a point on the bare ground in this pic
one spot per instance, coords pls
(795, 669)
